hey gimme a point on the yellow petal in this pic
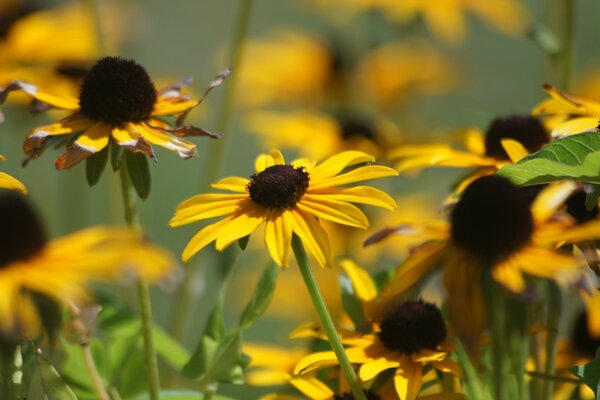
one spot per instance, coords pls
(335, 164)
(549, 264)
(574, 126)
(313, 237)
(266, 377)
(203, 238)
(182, 147)
(278, 236)
(446, 21)
(551, 198)
(89, 142)
(74, 123)
(573, 234)
(361, 280)
(233, 183)
(373, 368)
(170, 107)
(312, 388)
(62, 102)
(205, 206)
(357, 194)
(408, 380)
(246, 220)
(335, 211)
(508, 274)
(592, 304)
(448, 365)
(315, 361)
(128, 138)
(359, 174)
(8, 182)
(515, 150)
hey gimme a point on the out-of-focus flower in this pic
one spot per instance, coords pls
(506, 140)
(34, 271)
(569, 114)
(400, 71)
(495, 227)
(317, 135)
(117, 102)
(446, 19)
(288, 199)
(8, 182)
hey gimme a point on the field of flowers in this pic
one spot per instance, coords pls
(309, 199)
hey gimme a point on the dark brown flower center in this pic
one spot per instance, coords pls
(279, 186)
(492, 219)
(581, 339)
(576, 208)
(413, 326)
(356, 128)
(527, 130)
(117, 91)
(22, 235)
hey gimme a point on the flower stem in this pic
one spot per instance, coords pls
(132, 218)
(326, 321)
(552, 321)
(563, 12)
(93, 371)
(496, 312)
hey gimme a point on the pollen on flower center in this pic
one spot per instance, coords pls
(22, 235)
(413, 326)
(576, 208)
(492, 219)
(278, 186)
(117, 91)
(527, 130)
(349, 396)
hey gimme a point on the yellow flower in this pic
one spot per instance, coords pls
(506, 140)
(493, 227)
(569, 114)
(117, 102)
(8, 182)
(407, 338)
(296, 130)
(288, 199)
(33, 268)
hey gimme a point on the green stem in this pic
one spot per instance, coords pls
(496, 312)
(132, 218)
(562, 19)
(326, 321)
(552, 321)
(8, 366)
(93, 371)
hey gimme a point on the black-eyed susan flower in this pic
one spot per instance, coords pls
(493, 227)
(287, 199)
(8, 182)
(568, 114)
(117, 102)
(505, 141)
(345, 131)
(32, 267)
(409, 339)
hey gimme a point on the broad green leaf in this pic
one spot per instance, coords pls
(352, 305)
(139, 173)
(178, 394)
(228, 362)
(261, 297)
(117, 154)
(55, 387)
(575, 157)
(590, 374)
(94, 166)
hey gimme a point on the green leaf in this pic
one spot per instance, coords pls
(228, 363)
(575, 157)
(139, 173)
(591, 200)
(54, 386)
(261, 298)
(117, 154)
(590, 374)
(94, 166)
(352, 305)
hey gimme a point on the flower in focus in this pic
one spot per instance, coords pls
(35, 271)
(117, 102)
(569, 114)
(493, 227)
(288, 199)
(8, 182)
(348, 131)
(407, 338)
(506, 140)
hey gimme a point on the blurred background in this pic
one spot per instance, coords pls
(309, 69)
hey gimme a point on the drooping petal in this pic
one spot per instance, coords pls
(408, 379)
(90, 142)
(336, 164)
(170, 106)
(278, 236)
(371, 369)
(357, 194)
(8, 182)
(180, 146)
(508, 274)
(203, 238)
(448, 365)
(313, 236)
(129, 138)
(233, 183)
(244, 222)
(548, 264)
(515, 150)
(550, 199)
(361, 280)
(575, 126)
(62, 102)
(332, 210)
(359, 174)
(313, 388)
(74, 123)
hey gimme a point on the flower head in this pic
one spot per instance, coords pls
(287, 199)
(117, 102)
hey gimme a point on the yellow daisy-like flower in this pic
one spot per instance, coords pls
(58, 270)
(408, 338)
(493, 227)
(506, 141)
(287, 199)
(8, 182)
(569, 114)
(296, 130)
(117, 102)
